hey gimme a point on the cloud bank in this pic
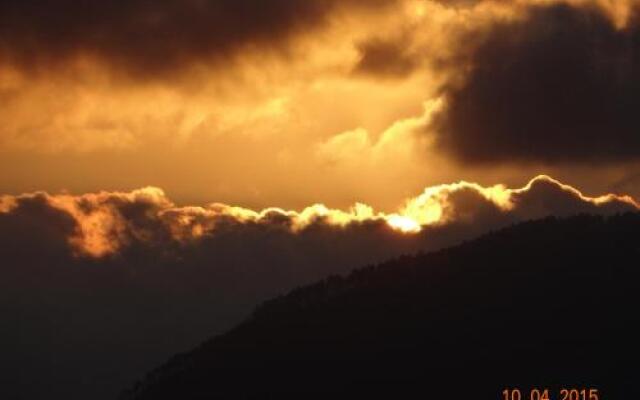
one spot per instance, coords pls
(104, 224)
(95, 289)
(151, 38)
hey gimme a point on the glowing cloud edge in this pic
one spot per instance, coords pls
(102, 228)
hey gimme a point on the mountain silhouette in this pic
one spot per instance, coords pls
(547, 304)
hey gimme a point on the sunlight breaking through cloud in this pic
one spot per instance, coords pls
(106, 222)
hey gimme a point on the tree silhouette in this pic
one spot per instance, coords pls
(547, 304)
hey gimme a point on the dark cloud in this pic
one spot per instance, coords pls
(385, 58)
(97, 289)
(560, 84)
(147, 37)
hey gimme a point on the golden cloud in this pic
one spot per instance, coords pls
(107, 222)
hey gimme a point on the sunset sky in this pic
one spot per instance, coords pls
(288, 103)
(172, 163)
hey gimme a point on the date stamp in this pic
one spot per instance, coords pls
(547, 394)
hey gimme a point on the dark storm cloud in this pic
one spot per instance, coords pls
(149, 37)
(97, 289)
(560, 84)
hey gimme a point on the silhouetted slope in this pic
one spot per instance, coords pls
(551, 303)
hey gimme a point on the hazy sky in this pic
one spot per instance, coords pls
(288, 103)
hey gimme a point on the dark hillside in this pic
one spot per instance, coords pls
(548, 304)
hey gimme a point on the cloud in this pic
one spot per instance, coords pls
(106, 223)
(108, 284)
(557, 83)
(386, 58)
(31, 224)
(150, 38)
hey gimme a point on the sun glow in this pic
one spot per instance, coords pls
(102, 229)
(403, 224)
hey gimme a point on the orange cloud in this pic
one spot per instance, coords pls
(107, 222)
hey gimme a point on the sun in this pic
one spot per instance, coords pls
(404, 224)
